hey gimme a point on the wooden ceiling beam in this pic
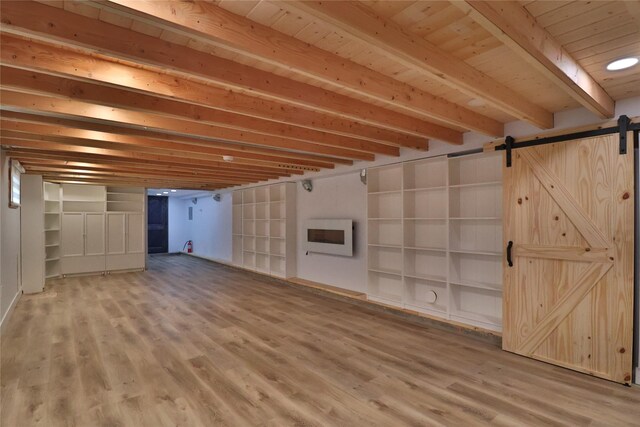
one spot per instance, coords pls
(134, 182)
(178, 154)
(72, 148)
(115, 168)
(61, 166)
(173, 185)
(137, 131)
(125, 175)
(224, 123)
(198, 166)
(38, 83)
(72, 29)
(510, 23)
(69, 107)
(34, 56)
(389, 38)
(80, 134)
(212, 24)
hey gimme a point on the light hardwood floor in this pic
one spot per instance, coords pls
(192, 343)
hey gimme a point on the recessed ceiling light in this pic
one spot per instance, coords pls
(165, 192)
(159, 194)
(622, 64)
(476, 103)
(227, 158)
(173, 191)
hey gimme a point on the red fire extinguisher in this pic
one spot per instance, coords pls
(189, 246)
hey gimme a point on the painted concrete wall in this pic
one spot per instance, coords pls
(178, 223)
(341, 197)
(10, 287)
(210, 229)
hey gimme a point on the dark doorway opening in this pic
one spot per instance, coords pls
(158, 224)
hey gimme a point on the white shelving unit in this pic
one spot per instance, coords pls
(52, 216)
(435, 237)
(264, 229)
(102, 229)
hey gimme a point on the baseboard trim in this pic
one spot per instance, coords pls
(216, 260)
(7, 315)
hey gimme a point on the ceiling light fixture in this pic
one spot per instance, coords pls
(173, 191)
(165, 192)
(227, 158)
(158, 194)
(622, 64)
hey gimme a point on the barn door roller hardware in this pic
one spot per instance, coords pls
(624, 125)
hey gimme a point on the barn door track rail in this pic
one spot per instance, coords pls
(623, 126)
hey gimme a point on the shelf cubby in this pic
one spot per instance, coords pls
(420, 295)
(426, 264)
(384, 179)
(385, 232)
(385, 259)
(476, 235)
(475, 268)
(423, 174)
(482, 307)
(425, 233)
(385, 205)
(385, 286)
(262, 245)
(476, 201)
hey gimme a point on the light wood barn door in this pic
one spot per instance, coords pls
(568, 298)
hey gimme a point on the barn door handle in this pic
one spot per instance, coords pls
(509, 260)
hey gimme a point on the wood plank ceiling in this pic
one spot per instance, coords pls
(163, 93)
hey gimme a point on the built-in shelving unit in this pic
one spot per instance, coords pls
(264, 229)
(435, 237)
(102, 228)
(52, 214)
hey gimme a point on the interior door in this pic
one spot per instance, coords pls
(158, 224)
(568, 297)
(72, 237)
(94, 231)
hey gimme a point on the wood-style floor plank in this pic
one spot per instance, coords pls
(193, 343)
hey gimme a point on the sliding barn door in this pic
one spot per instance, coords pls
(568, 297)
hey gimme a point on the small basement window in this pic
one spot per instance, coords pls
(15, 171)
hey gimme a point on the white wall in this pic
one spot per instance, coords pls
(341, 197)
(10, 287)
(210, 230)
(178, 223)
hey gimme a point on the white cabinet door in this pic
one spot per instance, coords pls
(94, 231)
(135, 233)
(72, 239)
(116, 233)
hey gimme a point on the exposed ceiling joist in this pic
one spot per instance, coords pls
(157, 135)
(129, 154)
(39, 83)
(514, 26)
(60, 26)
(178, 153)
(198, 167)
(33, 56)
(30, 102)
(80, 134)
(415, 52)
(208, 22)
